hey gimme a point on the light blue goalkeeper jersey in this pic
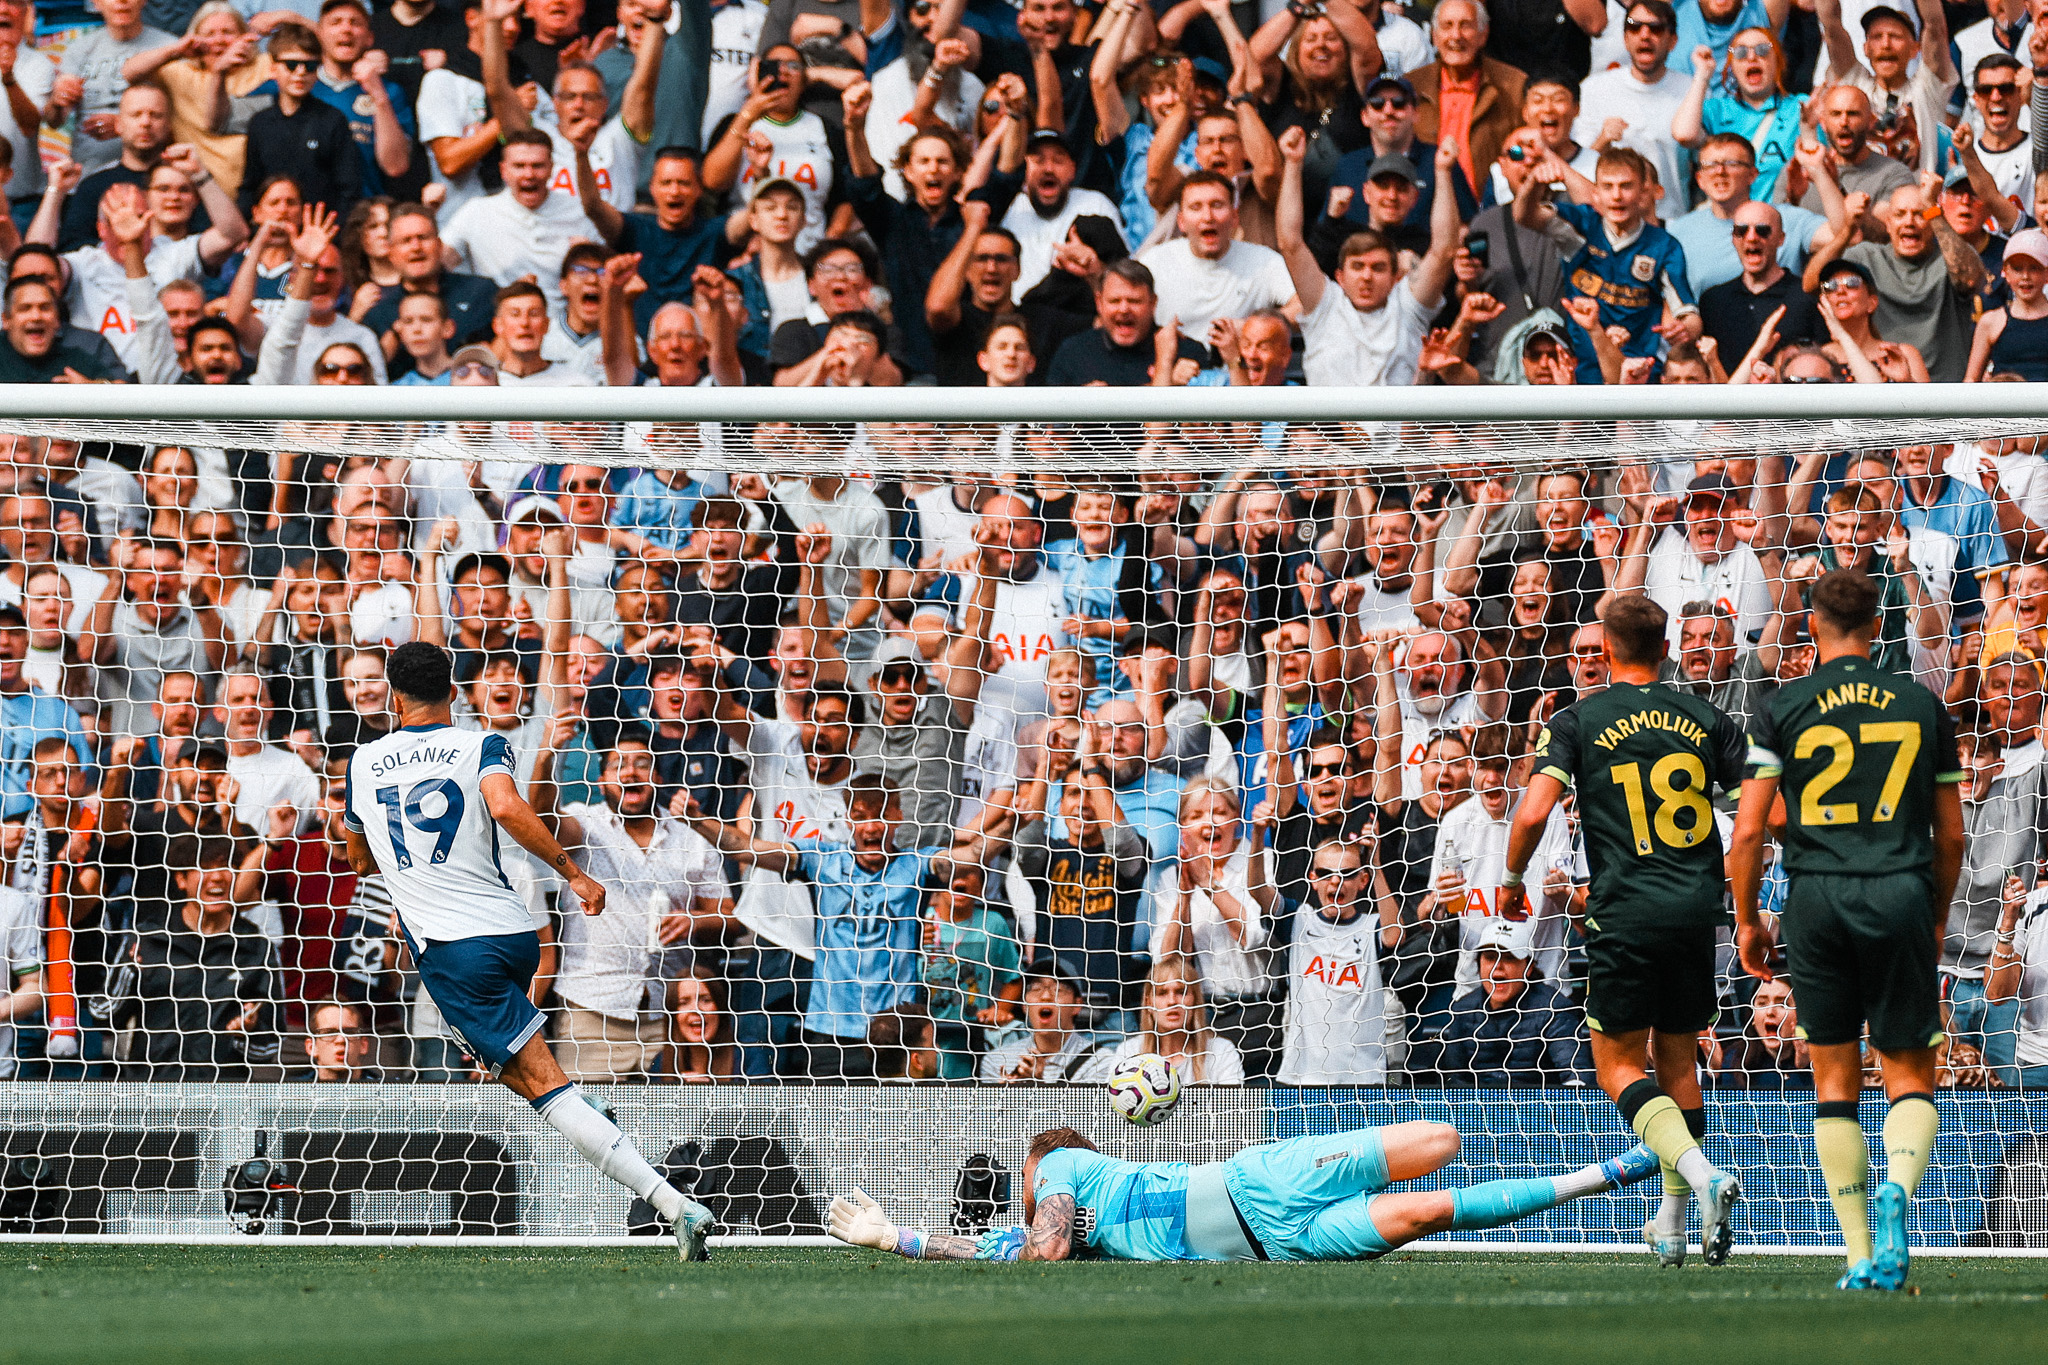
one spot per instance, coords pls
(1129, 1211)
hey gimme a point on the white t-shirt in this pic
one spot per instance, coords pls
(988, 763)
(1736, 583)
(319, 336)
(607, 959)
(1221, 1064)
(21, 952)
(1462, 713)
(1647, 109)
(859, 526)
(947, 530)
(1037, 235)
(1336, 1002)
(2012, 170)
(1350, 349)
(416, 797)
(1244, 278)
(582, 354)
(501, 239)
(799, 152)
(614, 164)
(271, 777)
(1474, 845)
(1231, 967)
(99, 288)
(1026, 624)
(35, 74)
(1384, 608)
(735, 38)
(454, 106)
(895, 94)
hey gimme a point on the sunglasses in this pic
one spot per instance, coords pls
(584, 268)
(1752, 52)
(1382, 103)
(1343, 873)
(1840, 283)
(1325, 769)
(1807, 379)
(354, 370)
(469, 368)
(296, 63)
(1643, 26)
(583, 486)
(1752, 230)
(2007, 89)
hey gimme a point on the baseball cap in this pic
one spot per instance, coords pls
(536, 507)
(2031, 243)
(1399, 83)
(779, 182)
(1958, 179)
(1715, 485)
(1393, 163)
(894, 657)
(1213, 69)
(474, 355)
(1502, 937)
(1842, 267)
(1887, 12)
(209, 752)
(1048, 137)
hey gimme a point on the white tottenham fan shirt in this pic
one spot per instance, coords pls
(1336, 1002)
(608, 959)
(1735, 583)
(799, 152)
(1474, 845)
(614, 165)
(416, 797)
(99, 295)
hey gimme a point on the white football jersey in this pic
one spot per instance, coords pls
(416, 796)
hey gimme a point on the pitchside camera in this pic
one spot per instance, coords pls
(256, 1189)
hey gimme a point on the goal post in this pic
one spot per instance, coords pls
(1034, 634)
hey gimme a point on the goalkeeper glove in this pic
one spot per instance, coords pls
(999, 1244)
(859, 1220)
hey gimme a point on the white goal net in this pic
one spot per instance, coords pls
(939, 751)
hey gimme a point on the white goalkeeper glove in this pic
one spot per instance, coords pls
(860, 1221)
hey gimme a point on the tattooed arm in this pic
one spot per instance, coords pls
(1052, 1232)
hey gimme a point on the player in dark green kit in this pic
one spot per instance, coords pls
(1873, 842)
(1645, 759)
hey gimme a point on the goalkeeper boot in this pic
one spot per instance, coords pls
(1717, 1202)
(692, 1229)
(1858, 1276)
(1670, 1249)
(1637, 1163)
(1891, 1260)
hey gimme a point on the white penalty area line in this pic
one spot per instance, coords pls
(290, 1241)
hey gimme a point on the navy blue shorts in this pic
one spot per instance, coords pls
(480, 985)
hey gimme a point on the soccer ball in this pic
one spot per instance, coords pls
(1145, 1090)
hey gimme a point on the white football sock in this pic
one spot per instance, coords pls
(1696, 1169)
(1585, 1180)
(1671, 1214)
(608, 1149)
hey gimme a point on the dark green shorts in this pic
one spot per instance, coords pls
(1862, 948)
(1658, 977)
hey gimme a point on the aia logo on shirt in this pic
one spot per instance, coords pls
(1332, 972)
(565, 182)
(115, 323)
(1024, 649)
(794, 826)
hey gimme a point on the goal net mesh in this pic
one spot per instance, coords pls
(933, 770)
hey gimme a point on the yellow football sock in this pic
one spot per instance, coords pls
(1845, 1165)
(1909, 1129)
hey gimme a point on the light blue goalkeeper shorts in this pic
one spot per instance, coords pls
(1310, 1198)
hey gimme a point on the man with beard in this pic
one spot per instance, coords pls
(664, 886)
(1859, 166)
(1927, 280)
(867, 926)
(1700, 561)
(1910, 99)
(1336, 999)
(974, 287)
(1734, 311)
(915, 742)
(1055, 70)
(1040, 216)
(1432, 689)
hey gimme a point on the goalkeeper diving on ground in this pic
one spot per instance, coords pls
(1317, 1198)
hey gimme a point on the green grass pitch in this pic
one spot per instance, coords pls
(155, 1305)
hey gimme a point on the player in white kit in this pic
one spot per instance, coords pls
(425, 805)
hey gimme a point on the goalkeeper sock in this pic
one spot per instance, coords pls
(1494, 1203)
(1909, 1129)
(1845, 1165)
(1659, 1122)
(605, 1147)
(1670, 1218)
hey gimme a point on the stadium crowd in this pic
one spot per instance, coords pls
(997, 778)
